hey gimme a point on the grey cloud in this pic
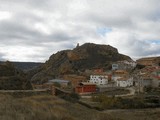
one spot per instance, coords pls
(61, 36)
(29, 5)
(12, 32)
(119, 21)
(20, 34)
(142, 48)
(129, 43)
(69, 23)
(2, 56)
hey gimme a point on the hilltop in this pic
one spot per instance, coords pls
(76, 61)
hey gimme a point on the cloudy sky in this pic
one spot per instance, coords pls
(32, 30)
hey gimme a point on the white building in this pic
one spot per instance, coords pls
(99, 79)
(124, 82)
(114, 66)
(131, 63)
(115, 78)
(123, 65)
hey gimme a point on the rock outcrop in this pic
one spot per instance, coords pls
(149, 61)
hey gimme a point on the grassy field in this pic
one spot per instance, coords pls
(136, 114)
(47, 107)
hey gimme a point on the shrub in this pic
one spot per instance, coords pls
(148, 89)
(56, 84)
(73, 97)
(113, 102)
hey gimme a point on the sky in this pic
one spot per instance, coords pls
(32, 30)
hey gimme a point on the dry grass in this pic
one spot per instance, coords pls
(41, 107)
(136, 114)
(32, 108)
(47, 107)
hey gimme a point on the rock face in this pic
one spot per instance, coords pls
(76, 61)
(149, 61)
(12, 78)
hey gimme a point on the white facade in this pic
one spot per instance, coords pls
(124, 82)
(99, 79)
(132, 63)
(114, 66)
(123, 65)
(115, 78)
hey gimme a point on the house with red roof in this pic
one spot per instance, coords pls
(85, 88)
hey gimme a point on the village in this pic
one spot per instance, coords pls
(123, 75)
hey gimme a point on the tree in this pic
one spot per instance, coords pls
(56, 84)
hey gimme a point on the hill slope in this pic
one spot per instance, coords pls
(149, 61)
(45, 107)
(76, 61)
(25, 66)
(12, 78)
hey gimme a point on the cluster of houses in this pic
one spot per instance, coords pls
(120, 77)
(148, 77)
(100, 78)
(117, 77)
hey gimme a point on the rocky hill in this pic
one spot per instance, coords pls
(76, 61)
(149, 61)
(12, 78)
